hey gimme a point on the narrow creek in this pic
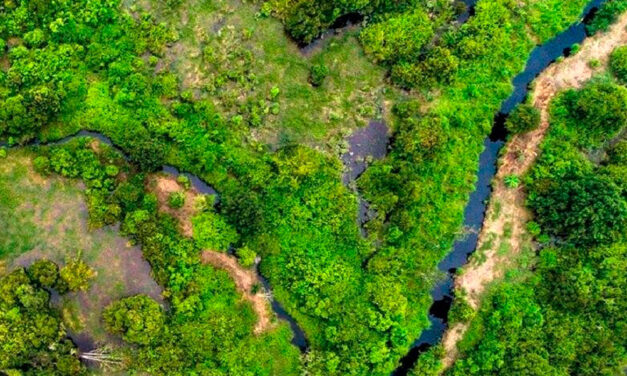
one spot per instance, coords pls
(540, 58)
(298, 339)
(373, 141)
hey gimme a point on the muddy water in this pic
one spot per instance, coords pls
(540, 58)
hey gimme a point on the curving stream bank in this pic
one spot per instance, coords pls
(539, 59)
(299, 339)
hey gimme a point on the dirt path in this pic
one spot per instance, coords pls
(507, 215)
(244, 278)
(163, 186)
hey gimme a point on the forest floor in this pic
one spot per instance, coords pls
(245, 278)
(503, 236)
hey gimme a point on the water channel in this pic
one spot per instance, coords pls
(540, 58)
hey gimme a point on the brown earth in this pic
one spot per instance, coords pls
(162, 186)
(244, 278)
(507, 206)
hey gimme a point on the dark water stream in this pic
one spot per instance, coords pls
(373, 140)
(540, 58)
(201, 186)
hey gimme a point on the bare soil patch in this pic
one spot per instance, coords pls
(520, 154)
(163, 186)
(245, 280)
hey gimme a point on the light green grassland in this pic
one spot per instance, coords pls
(231, 39)
(47, 218)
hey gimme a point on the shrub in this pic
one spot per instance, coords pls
(212, 232)
(176, 200)
(461, 311)
(3, 152)
(274, 92)
(618, 63)
(112, 170)
(618, 154)
(606, 16)
(317, 74)
(594, 63)
(44, 272)
(522, 119)
(512, 181)
(138, 319)
(246, 256)
(600, 110)
(184, 181)
(76, 275)
(438, 66)
(398, 38)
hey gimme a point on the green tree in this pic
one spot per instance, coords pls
(599, 111)
(618, 63)
(44, 272)
(176, 200)
(317, 74)
(32, 337)
(524, 118)
(583, 208)
(76, 275)
(138, 319)
(212, 232)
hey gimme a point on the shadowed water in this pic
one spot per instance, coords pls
(539, 59)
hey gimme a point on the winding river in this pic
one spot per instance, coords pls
(373, 141)
(299, 339)
(539, 59)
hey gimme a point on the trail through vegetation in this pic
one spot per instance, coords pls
(246, 279)
(248, 283)
(507, 211)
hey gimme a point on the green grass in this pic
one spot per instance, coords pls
(350, 96)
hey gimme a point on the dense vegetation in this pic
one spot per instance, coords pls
(307, 19)
(32, 335)
(606, 15)
(543, 325)
(73, 65)
(207, 327)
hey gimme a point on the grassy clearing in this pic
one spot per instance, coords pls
(230, 53)
(47, 218)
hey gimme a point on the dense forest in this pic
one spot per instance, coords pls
(361, 300)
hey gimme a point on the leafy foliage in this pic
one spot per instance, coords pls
(618, 63)
(606, 15)
(524, 118)
(176, 200)
(361, 301)
(584, 209)
(318, 73)
(138, 319)
(32, 337)
(212, 232)
(541, 325)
